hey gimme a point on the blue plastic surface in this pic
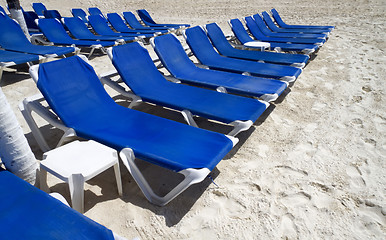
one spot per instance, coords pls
(266, 31)
(242, 35)
(120, 26)
(16, 57)
(80, 31)
(52, 14)
(138, 71)
(2, 10)
(205, 53)
(134, 23)
(174, 58)
(255, 30)
(13, 38)
(282, 24)
(39, 8)
(225, 48)
(29, 213)
(80, 13)
(100, 27)
(74, 92)
(55, 32)
(271, 24)
(148, 20)
(30, 17)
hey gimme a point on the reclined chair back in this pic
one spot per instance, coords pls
(117, 22)
(2, 10)
(132, 20)
(52, 14)
(39, 8)
(11, 35)
(54, 30)
(30, 17)
(94, 11)
(145, 16)
(80, 13)
(100, 26)
(239, 31)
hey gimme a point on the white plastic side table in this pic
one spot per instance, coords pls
(77, 162)
(255, 44)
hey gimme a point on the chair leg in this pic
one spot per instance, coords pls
(43, 180)
(192, 176)
(189, 118)
(76, 185)
(118, 178)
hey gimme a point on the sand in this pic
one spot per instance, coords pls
(313, 167)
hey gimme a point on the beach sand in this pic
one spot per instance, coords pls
(313, 167)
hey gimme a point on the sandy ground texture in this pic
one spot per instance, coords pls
(313, 167)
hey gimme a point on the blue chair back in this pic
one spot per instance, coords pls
(100, 26)
(54, 30)
(2, 10)
(30, 17)
(77, 28)
(132, 20)
(200, 44)
(39, 8)
(80, 13)
(145, 16)
(239, 31)
(11, 35)
(117, 22)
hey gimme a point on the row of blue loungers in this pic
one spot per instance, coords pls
(185, 149)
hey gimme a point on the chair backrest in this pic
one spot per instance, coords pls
(268, 20)
(39, 8)
(30, 17)
(99, 25)
(137, 69)
(54, 30)
(52, 14)
(277, 18)
(172, 54)
(80, 13)
(94, 11)
(239, 31)
(11, 34)
(218, 38)
(254, 28)
(261, 24)
(117, 22)
(77, 28)
(132, 20)
(2, 10)
(72, 89)
(145, 16)
(200, 44)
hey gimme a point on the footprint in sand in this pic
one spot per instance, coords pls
(288, 229)
(355, 175)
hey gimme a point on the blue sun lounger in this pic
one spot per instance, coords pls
(271, 24)
(96, 11)
(39, 8)
(30, 17)
(120, 26)
(139, 73)
(282, 24)
(148, 20)
(12, 38)
(100, 27)
(9, 58)
(266, 31)
(80, 13)
(242, 35)
(205, 53)
(177, 62)
(55, 33)
(255, 30)
(190, 151)
(52, 14)
(222, 45)
(135, 24)
(80, 31)
(29, 213)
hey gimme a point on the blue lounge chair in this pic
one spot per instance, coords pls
(177, 62)
(120, 26)
(80, 13)
(80, 31)
(187, 150)
(9, 58)
(55, 33)
(134, 23)
(242, 35)
(96, 11)
(225, 48)
(148, 20)
(12, 38)
(29, 213)
(271, 24)
(138, 71)
(255, 30)
(30, 17)
(52, 14)
(205, 53)
(266, 31)
(282, 24)
(39, 8)
(100, 27)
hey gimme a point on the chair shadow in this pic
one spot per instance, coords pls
(14, 74)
